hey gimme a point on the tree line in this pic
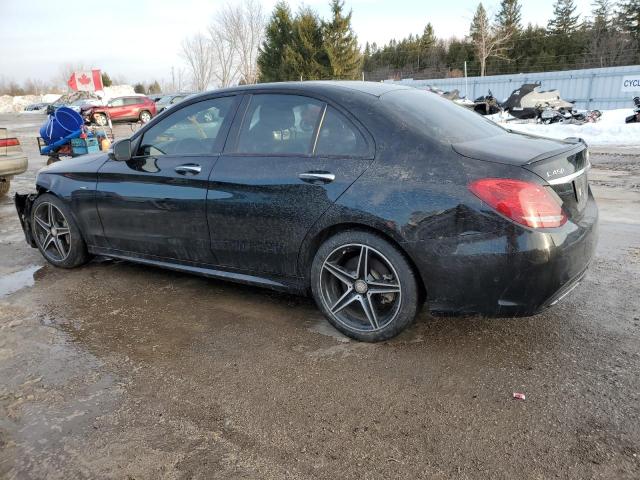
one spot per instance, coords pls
(241, 45)
(501, 44)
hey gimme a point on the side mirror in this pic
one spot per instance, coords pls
(122, 150)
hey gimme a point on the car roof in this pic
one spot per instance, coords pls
(375, 89)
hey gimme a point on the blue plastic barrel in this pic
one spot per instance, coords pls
(60, 123)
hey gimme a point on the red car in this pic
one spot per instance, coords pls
(132, 108)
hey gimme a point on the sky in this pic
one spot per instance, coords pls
(139, 40)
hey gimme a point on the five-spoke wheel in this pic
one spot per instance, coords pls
(56, 234)
(360, 287)
(364, 285)
(52, 231)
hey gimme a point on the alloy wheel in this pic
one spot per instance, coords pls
(52, 231)
(145, 117)
(101, 120)
(360, 288)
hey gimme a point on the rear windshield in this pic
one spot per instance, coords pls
(439, 118)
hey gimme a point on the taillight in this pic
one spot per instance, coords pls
(9, 142)
(523, 202)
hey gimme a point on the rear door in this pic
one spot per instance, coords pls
(132, 107)
(288, 158)
(154, 204)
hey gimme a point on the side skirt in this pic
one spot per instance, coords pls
(288, 284)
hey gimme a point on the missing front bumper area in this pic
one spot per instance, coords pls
(23, 206)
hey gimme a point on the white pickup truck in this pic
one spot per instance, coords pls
(12, 160)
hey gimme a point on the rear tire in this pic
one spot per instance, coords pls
(5, 184)
(56, 233)
(364, 286)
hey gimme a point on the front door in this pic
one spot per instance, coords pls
(154, 204)
(293, 156)
(116, 109)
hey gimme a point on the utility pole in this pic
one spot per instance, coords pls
(466, 81)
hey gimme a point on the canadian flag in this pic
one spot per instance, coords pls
(87, 81)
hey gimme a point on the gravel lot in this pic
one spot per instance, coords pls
(122, 371)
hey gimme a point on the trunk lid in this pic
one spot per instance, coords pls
(563, 164)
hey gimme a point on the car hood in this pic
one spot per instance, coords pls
(514, 148)
(84, 163)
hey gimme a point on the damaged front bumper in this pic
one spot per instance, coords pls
(23, 206)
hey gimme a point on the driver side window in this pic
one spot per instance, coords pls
(192, 130)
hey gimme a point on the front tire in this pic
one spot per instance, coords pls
(100, 119)
(364, 286)
(56, 233)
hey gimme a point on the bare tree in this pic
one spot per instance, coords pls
(221, 36)
(488, 40)
(196, 51)
(246, 23)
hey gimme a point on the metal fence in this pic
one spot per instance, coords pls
(601, 88)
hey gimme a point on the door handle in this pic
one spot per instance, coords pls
(189, 168)
(324, 177)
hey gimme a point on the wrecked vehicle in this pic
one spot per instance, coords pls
(487, 105)
(372, 197)
(635, 118)
(132, 108)
(12, 160)
(572, 117)
(527, 102)
(74, 100)
(36, 107)
(170, 99)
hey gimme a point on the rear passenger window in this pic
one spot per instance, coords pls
(339, 137)
(133, 100)
(279, 124)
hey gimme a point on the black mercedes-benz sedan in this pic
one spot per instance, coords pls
(374, 198)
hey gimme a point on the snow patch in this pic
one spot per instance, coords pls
(9, 104)
(610, 130)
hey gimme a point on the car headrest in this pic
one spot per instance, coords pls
(277, 118)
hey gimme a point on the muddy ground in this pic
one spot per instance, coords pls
(122, 371)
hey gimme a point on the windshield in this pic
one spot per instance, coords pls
(439, 118)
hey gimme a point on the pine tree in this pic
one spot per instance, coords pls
(601, 14)
(278, 35)
(341, 44)
(306, 56)
(509, 17)
(629, 19)
(564, 22)
(154, 87)
(428, 39)
(106, 80)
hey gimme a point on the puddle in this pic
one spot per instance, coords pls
(323, 327)
(13, 282)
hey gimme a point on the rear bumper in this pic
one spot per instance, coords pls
(13, 165)
(515, 273)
